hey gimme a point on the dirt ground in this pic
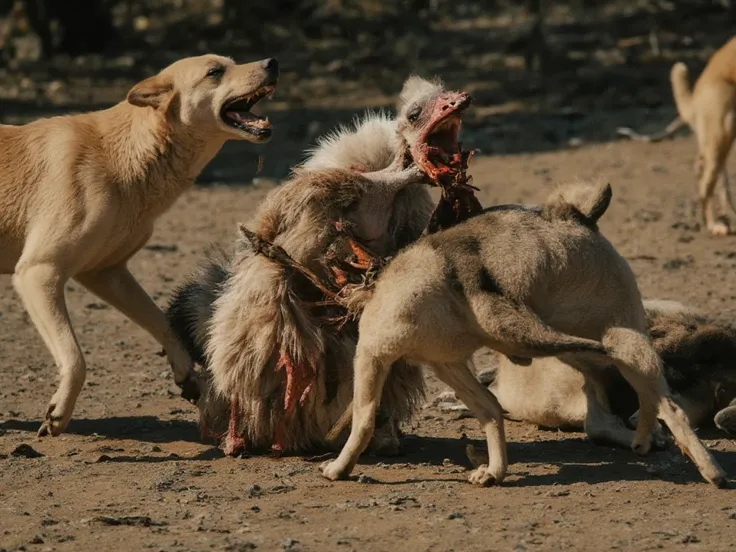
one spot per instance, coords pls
(132, 473)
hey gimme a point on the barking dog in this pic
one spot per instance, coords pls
(512, 279)
(80, 195)
(272, 358)
(699, 359)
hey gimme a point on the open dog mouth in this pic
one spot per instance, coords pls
(236, 113)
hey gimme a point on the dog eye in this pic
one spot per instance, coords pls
(414, 114)
(216, 72)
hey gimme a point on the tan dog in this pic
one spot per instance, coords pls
(709, 108)
(699, 358)
(512, 279)
(79, 195)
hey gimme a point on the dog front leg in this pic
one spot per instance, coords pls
(117, 286)
(486, 408)
(370, 375)
(41, 288)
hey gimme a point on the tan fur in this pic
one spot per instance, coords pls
(550, 393)
(260, 308)
(526, 287)
(357, 176)
(710, 110)
(79, 196)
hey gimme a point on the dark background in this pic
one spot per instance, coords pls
(545, 75)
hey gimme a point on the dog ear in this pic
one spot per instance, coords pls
(153, 92)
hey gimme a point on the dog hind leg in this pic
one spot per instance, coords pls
(714, 145)
(41, 288)
(688, 441)
(641, 366)
(118, 287)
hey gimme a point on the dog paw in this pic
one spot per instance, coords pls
(54, 423)
(190, 389)
(333, 471)
(482, 477)
(642, 448)
(719, 229)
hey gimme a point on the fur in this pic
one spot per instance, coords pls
(526, 286)
(709, 109)
(697, 356)
(79, 196)
(244, 323)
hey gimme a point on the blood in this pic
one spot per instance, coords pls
(234, 444)
(299, 380)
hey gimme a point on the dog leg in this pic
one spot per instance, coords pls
(41, 288)
(640, 365)
(713, 155)
(486, 408)
(117, 286)
(370, 375)
(685, 437)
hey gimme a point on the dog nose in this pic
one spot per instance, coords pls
(271, 65)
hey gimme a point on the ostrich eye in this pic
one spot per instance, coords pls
(414, 114)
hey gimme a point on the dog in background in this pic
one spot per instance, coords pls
(79, 196)
(709, 108)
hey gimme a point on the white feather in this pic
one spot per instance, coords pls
(370, 142)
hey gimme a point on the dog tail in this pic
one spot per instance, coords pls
(682, 91)
(582, 202)
(190, 309)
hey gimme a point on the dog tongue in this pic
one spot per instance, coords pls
(236, 116)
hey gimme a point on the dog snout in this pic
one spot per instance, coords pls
(271, 65)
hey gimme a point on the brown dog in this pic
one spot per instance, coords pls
(709, 108)
(79, 196)
(699, 358)
(513, 279)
